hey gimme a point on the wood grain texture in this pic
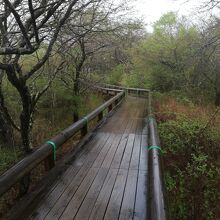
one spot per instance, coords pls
(108, 180)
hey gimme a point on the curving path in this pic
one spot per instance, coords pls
(108, 179)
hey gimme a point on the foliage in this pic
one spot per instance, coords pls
(117, 74)
(8, 157)
(177, 56)
(50, 111)
(191, 159)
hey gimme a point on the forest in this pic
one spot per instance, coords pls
(47, 46)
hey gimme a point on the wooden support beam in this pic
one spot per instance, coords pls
(110, 108)
(49, 162)
(100, 116)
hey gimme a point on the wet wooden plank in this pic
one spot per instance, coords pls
(144, 152)
(127, 207)
(134, 126)
(67, 195)
(109, 157)
(140, 210)
(99, 160)
(128, 151)
(64, 199)
(101, 203)
(135, 158)
(120, 151)
(140, 126)
(114, 205)
(123, 125)
(129, 126)
(56, 191)
(90, 199)
(74, 204)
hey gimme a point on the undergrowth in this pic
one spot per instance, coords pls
(190, 140)
(50, 119)
(8, 157)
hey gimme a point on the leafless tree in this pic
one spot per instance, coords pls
(96, 28)
(209, 56)
(30, 28)
(210, 4)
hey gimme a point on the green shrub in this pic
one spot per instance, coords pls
(192, 173)
(117, 74)
(8, 157)
(181, 135)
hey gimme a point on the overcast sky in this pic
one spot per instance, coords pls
(151, 10)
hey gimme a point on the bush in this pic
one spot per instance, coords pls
(8, 157)
(191, 157)
(117, 74)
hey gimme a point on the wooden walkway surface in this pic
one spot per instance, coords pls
(108, 179)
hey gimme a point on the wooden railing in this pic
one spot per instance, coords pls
(47, 150)
(157, 207)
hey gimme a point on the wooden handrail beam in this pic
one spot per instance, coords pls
(22, 168)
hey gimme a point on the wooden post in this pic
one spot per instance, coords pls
(24, 184)
(84, 130)
(49, 162)
(100, 116)
(116, 102)
(110, 108)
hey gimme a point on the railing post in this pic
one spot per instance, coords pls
(49, 162)
(100, 116)
(116, 102)
(84, 129)
(109, 108)
(24, 184)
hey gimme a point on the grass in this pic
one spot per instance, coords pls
(8, 157)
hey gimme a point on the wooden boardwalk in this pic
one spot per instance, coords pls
(108, 179)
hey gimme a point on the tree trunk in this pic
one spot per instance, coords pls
(75, 115)
(25, 120)
(76, 85)
(76, 91)
(25, 132)
(27, 107)
(6, 132)
(75, 102)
